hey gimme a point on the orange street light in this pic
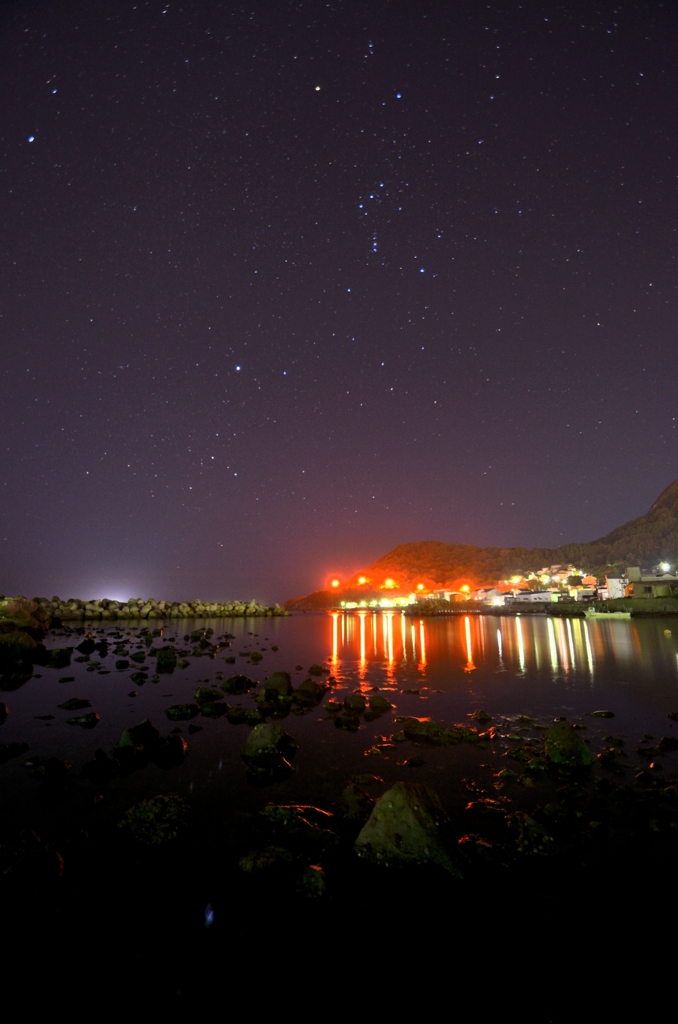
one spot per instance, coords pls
(335, 583)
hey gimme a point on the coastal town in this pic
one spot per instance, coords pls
(549, 585)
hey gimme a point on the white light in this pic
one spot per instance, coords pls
(665, 567)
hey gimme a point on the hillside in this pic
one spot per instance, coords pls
(650, 538)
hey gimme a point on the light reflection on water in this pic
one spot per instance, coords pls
(558, 647)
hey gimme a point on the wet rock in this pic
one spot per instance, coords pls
(133, 693)
(183, 663)
(563, 746)
(136, 745)
(166, 660)
(309, 693)
(349, 722)
(423, 730)
(277, 685)
(313, 883)
(85, 721)
(45, 718)
(268, 751)
(414, 762)
(58, 657)
(122, 664)
(139, 678)
(48, 769)
(139, 657)
(333, 707)
(379, 703)
(101, 770)
(182, 712)
(208, 695)
(667, 743)
(170, 752)
(403, 828)
(214, 709)
(317, 670)
(238, 684)
(302, 828)
(9, 750)
(75, 704)
(533, 839)
(238, 715)
(354, 803)
(602, 714)
(367, 780)
(481, 716)
(673, 715)
(87, 646)
(256, 656)
(67, 679)
(355, 702)
(266, 859)
(4, 713)
(158, 820)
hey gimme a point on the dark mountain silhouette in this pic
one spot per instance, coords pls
(644, 541)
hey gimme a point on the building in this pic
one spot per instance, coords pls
(652, 584)
(532, 597)
(615, 587)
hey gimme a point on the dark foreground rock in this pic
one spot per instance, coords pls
(157, 820)
(403, 828)
(269, 751)
(563, 746)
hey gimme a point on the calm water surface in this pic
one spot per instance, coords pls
(537, 666)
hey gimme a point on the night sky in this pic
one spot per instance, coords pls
(287, 284)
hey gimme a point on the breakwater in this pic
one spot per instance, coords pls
(41, 611)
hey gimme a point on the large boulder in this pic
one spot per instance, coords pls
(268, 751)
(563, 746)
(403, 829)
(238, 684)
(166, 660)
(278, 685)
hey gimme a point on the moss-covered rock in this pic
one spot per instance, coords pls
(277, 685)
(354, 803)
(238, 684)
(238, 715)
(75, 704)
(423, 730)
(403, 828)
(563, 746)
(157, 820)
(309, 693)
(355, 703)
(166, 660)
(379, 703)
(182, 712)
(269, 750)
(208, 695)
(85, 721)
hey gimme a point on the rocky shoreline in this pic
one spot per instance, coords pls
(40, 612)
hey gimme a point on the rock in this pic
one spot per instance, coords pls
(269, 751)
(86, 721)
(256, 656)
(58, 657)
(213, 709)
(313, 883)
(262, 860)
(355, 702)
(403, 829)
(667, 743)
(278, 685)
(75, 704)
(354, 803)
(480, 715)
(349, 722)
(139, 678)
(379, 703)
(48, 769)
(136, 745)
(170, 752)
(238, 715)
(602, 714)
(333, 707)
(563, 746)
(9, 750)
(367, 780)
(208, 695)
(414, 762)
(139, 656)
(166, 660)
(122, 664)
(182, 712)
(16, 646)
(309, 693)
(157, 820)
(317, 670)
(101, 770)
(87, 646)
(423, 730)
(4, 713)
(238, 684)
